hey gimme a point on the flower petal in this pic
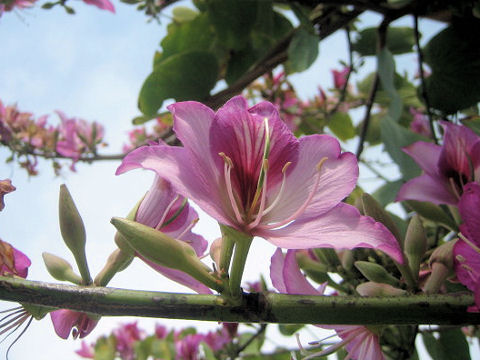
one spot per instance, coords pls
(426, 155)
(426, 188)
(338, 176)
(295, 282)
(468, 269)
(469, 207)
(276, 270)
(341, 228)
(174, 165)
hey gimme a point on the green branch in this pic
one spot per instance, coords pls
(265, 308)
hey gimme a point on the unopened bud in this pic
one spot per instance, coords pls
(376, 273)
(441, 263)
(116, 262)
(314, 269)
(216, 251)
(346, 258)
(415, 245)
(443, 254)
(60, 269)
(432, 212)
(152, 244)
(73, 231)
(373, 209)
(371, 288)
(123, 244)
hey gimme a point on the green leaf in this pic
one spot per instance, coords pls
(289, 329)
(303, 50)
(454, 344)
(433, 213)
(395, 137)
(207, 351)
(341, 125)
(387, 192)
(233, 21)
(183, 14)
(454, 58)
(400, 40)
(185, 37)
(386, 73)
(105, 348)
(254, 347)
(186, 76)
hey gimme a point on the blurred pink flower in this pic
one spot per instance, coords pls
(420, 124)
(5, 188)
(86, 351)
(127, 335)
(101, 4)
(360, 342)
(247, 170)
(13, 261)
(446, 168)
(340, 77)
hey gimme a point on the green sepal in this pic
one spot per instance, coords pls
(376, 273)
(60, 269)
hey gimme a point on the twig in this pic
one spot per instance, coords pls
(422, 78)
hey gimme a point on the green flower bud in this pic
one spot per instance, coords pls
(60, 269)
(373, 209)
(433, 213)
(415, 245)
(441, 263)
(371, 288)
(216, 251)
(116, 262)
(73, 232)
(376, 273)
(164, 250)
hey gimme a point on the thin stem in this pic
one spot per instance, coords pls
(422, 78)
(448, 309)
(241, 251)
(260, 331)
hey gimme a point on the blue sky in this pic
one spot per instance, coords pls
(92, 65)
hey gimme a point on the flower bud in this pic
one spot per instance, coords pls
(415, 245)
(60, 269)
(371, 288)
(216, 250)
(432, 212)
(73, 231)
(373, 209)
(441, 263)
(116, 262)
(314, 269)
(376, 273)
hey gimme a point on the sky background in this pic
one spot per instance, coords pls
(92, 65)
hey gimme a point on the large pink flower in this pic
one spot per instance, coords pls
(446, 168)
(165, 210)
(246, 169)
(360, 342)
(467, 249)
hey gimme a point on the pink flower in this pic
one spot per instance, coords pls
(420, 124)
(247, 170)
(10, 5)
(467, 249)
(13, 261)
(68, 321)
(446, 168)
(187, 348)
(340, 77)
(360, 342)
(5, 188)
(126, 336)
(86, 351)
(165, 210)
(101, 4)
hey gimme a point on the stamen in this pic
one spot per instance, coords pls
(262, 201)
(335, 347)
(302, 208)
(227, 168)
(472, 245)
(19, 336)
(454, 187)
(160, 223)
(177, 213)
(282, 187)
(189, 227)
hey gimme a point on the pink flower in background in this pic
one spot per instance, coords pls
(340, 77)
(5, 188)
(126, 336)
(420, 124)
(247, 170)
(13, 261)
(12, 4)
(360, 342)
(467, 249)
(101, 4)
(163, 209)
(86, 351)
(447, 168)
(77, 323)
